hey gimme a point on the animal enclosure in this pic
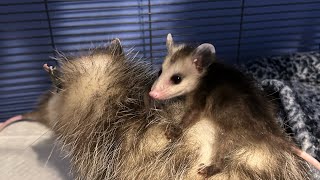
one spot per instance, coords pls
(31, 31)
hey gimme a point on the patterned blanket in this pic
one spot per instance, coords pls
(294, 82)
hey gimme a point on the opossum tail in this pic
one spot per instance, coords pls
(22, 117)
(307, 157)
(39, 114)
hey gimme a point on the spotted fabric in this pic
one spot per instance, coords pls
(294, 82)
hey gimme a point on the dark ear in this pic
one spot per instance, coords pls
(203, 56)
(115, 47)
(169, 42)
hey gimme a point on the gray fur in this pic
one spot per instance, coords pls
(110, 129)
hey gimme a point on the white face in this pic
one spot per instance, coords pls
(175, 80)
(182, 76)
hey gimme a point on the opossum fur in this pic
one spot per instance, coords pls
(247, 135)
(103, 122)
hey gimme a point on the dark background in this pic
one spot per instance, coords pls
(241, 30)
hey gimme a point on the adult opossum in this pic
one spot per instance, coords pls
(104, 121)
(111, 129)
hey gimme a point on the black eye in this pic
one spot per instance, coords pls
(159, 73)
(176, 79)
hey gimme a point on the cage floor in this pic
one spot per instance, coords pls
(27, 151)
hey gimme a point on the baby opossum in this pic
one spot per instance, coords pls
(35, 115)
(247, 135)
(111, 129)
(39, 115)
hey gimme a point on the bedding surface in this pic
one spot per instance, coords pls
(293, 82)
(28, 152)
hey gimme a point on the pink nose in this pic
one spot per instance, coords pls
(154, 94)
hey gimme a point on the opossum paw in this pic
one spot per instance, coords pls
(49, 69)
(207, 171)
(46, 67)
(173, 132)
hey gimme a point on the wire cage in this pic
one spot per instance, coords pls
(31, 31)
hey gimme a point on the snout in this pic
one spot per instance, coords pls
(158, 95)
(154, 94)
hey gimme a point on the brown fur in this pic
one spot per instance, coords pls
(247, 136)
(101, 118)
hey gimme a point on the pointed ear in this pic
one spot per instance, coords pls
(203, 56)
(115, 47)
(169, 42)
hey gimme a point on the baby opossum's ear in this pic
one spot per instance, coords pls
(203, 56)
(169, 42)
(115, 47)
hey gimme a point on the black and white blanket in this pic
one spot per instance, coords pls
(294, 81)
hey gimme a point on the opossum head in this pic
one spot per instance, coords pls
(182, 69)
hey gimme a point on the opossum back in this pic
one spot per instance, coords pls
(105, 125)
